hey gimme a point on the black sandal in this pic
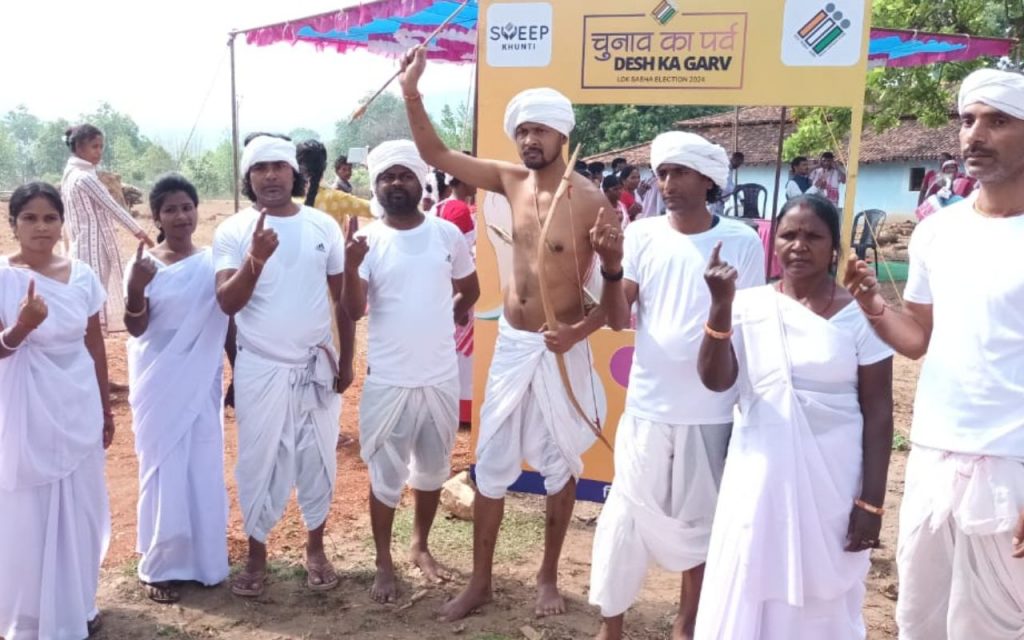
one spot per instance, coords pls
(161, 592)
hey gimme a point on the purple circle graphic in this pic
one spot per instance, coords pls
(621, 363)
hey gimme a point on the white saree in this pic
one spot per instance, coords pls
(53, 495)
(776, 566)
(175, 373)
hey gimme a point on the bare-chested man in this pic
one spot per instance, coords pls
(527, 412)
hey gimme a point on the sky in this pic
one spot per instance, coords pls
(166, 65)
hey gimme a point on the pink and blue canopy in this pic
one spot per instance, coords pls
(392, 27)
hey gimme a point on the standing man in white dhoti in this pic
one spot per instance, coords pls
(272, 261)
(801, 496)
(671, 441)
(528, 412)
(175, 372)
(55, 422)
(961, 546)
(407, 265)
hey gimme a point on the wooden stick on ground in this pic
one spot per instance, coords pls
(361, 111)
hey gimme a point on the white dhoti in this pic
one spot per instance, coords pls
(406, 435)
(957, 577)
(175, 375)
(526, 414)
(287, 432)
(660, 507)
(54, 513)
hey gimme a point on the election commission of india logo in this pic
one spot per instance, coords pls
(823, 33)
(665, 11)
(823, 30)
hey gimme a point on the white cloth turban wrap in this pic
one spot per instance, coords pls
(693, 151)
(541, 106)
(267, 149)
(1002, 90)
(389, 154)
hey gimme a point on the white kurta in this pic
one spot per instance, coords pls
(175, 373)
(91, 213)
(406, 434)
(527, 415)
(776, 566)
(53, 497)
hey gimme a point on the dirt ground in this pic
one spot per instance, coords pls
(288, 610)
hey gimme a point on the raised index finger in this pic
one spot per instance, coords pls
(31, 294)
(262, 219)
(715, 259)
(353, 226)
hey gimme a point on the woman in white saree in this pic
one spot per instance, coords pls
(804, 482)
(175, 367)
(55, 422)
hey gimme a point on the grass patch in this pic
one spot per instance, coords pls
(521, 533)
(900, 442)
(130, 569)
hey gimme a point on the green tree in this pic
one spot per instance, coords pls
(928, 92)
(385, 119)
(456, 126)
(22, 129)
(48, 152)
(601, 128)
(10, 174)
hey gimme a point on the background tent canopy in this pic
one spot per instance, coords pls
(392, 27)
(388, 27)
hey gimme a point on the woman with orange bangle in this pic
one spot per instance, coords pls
(800, 504)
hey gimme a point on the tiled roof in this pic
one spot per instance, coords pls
(759, 139)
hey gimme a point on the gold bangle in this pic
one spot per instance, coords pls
(137, 314)
(870, 508)
(717, 335)
(418, 96)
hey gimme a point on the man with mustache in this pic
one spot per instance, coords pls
(406, 266)
(272, 261)
(961, 546)
(527, 413)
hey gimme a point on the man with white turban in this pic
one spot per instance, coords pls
(672, 437)
(272, 261)
(961, 542)
(528, 412)
(406, 265)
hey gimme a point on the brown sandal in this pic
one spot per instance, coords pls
(249, 585)
(328, 578)
(161, 592)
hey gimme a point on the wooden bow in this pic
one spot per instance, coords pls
(545, 299)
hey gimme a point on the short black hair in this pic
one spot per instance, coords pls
(73, 136)
(618, 161)
(738, 154)
(626, 170)
(795, 162)
(714, 194)
(945, 156)
(610, 182)
(823, 208)
(581, 168)
(596, 167)
(28, 192)
(340, 162)
(167, 184)
(828, 155)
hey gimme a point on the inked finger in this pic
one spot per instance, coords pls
(31, 293)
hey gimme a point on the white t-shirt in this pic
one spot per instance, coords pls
(289, 313)
(970, 397)
(411, 325)
(672, 307)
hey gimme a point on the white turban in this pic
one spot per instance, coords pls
(1002, 90)
(267, 149)
(390, 154)
(541, 106)
(693, 151)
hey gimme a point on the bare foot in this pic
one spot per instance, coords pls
(432, 570)
(682, 629)
(549, 601)
(384, 589)
(611, 629)
(463, 604)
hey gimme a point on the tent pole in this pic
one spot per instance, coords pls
(234, 123)
(775, 194)
(736, 130)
